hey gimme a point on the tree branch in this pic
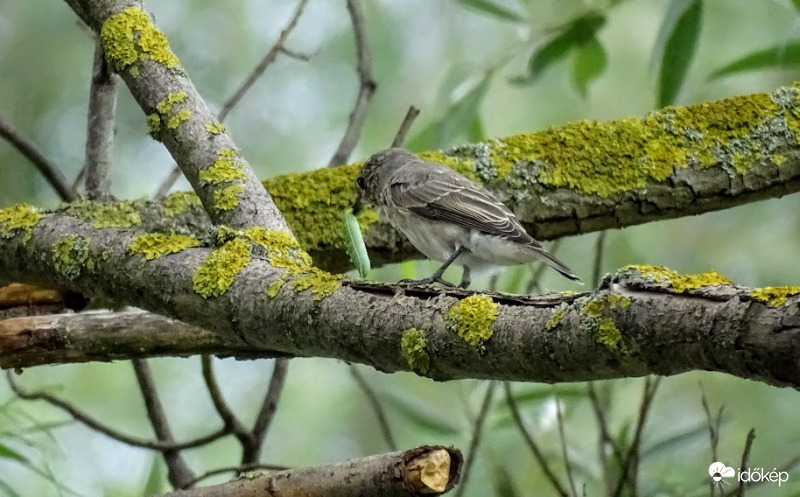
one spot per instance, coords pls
(178, 472)
(267, 61)
(100, 126)
(366, 86)
(49, 170)
(609, 333)
(177, 115)
(417, 472)
(90, 422)
(252, 453)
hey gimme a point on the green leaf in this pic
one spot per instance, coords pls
(154, 485)
(578, 32)
(354, 243)
(679, 32)
(8, 453)
(7, 490)
(784, 55)
(457, 124)
(588, 62)
(492, 9)
(677, 443)
(796, 4)
(420, 416)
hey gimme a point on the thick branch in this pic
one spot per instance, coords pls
(566, 180)
(630, 326)
(179, 117)
(416, 472)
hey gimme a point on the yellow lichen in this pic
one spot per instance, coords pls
(472, 319)
(155, 245)
(555, 319)
(179, 202)
(609, 335)
(176, 119)
(106, 215)
(129, 37)
(597, 306)
(165, 106)
(274, 288)
(20, 218)
(282, 251)
(215, 128)
(71, 256)
(680, 282)
(226, 199)
(775, 296)
(225, 169)
(413, 349)
(216, 274)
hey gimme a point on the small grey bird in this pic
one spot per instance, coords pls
(446, 216)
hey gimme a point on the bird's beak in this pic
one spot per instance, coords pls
(358, 205)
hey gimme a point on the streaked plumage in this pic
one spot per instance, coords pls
(441, 211)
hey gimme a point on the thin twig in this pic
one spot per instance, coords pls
(48, 169)
(257, 71)
(100, 125)
(166, 185)
(377, 407)
(365, 90)
(713, 432)
(295, 55)
(178, 472)
(537, 452)
(252, 452)
(605, 439)
(110, 432)
(232, 423)
(400, 137)
(234, 469)
(598, 258)
(563, 439)
(631, 462)
(262, 66)
(477, 434)
(751, 435)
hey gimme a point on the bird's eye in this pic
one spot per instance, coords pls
(360, 182)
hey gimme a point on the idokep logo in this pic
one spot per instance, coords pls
(719, 473)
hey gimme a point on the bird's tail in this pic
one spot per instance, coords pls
(556, 264)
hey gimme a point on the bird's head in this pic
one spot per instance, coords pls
(375, 175)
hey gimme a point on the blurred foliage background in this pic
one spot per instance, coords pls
(476, 69)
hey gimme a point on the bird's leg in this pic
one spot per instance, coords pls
(437, 276)
(465, 278)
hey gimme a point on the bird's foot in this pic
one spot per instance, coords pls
(426, 281)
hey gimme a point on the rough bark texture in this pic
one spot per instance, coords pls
(638, 324)
(178, 116)
(386, 475)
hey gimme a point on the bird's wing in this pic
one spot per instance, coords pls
(444, 195)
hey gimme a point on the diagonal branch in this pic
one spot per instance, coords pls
(267, 61)
(366, 86)
(178, 116)
(252, 452)
(49, 170)
(179, 473)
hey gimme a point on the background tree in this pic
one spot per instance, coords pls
(476, 70)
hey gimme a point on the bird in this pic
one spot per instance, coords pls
(446, 216)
